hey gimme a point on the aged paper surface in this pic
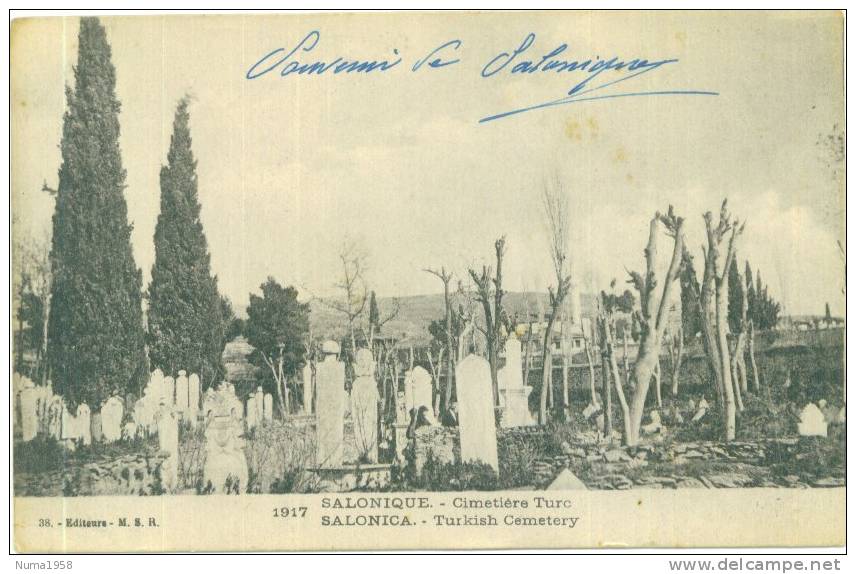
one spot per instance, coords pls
(290, 282)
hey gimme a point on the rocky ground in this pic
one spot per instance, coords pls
(773, 463)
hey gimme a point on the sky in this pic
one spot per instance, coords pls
(292, 167)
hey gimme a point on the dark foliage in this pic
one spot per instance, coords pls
(96, 337)
(185, 318)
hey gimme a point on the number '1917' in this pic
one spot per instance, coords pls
(290, 512)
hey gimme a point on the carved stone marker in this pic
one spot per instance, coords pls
(812, 421)
(514, 396)
(182, 392)
(419, 393)
(111, 419)
(475, 411)
(330, 384)
(364, 403)
(167, 424)
(225, 463)
(29, 398)
(84, 424)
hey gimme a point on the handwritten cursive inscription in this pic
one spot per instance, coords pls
(597, 73)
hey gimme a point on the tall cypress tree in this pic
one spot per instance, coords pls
(185, 317)
(95, 330)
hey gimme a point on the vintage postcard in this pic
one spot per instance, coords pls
(473, 280)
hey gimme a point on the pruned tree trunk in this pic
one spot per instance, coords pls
(625, 361)
(607, 394)
(653, 313)
(566, 404)
(657, 386)
(608, 337)
(713, 301)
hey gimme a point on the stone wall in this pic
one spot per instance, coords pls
(129, 475)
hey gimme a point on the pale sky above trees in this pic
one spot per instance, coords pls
(290, 167)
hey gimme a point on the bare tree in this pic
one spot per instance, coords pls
(557, 217)
(446, 278)
(35, 277)
(606, 327)
(354, 289)
(489, 293)
(713, 303)
(653, 312)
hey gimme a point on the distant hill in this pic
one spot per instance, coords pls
(417, 312)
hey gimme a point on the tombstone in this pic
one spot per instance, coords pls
(567, 480)
(143, 415)
(513, 395)
(169, 391)
(225, 463)
(656, 424)
(156, 386)
(111, 419)
(95, 427)
(812, 422)
(330, 384)
(167, 424)
(182, 393)
(29, 399)
(55, 413)
(268, 408)
(307, 389)
(418, 392)
(69, 426)
(702, 410)
(193, 389)
(364, 403)
(84, 424)
(475, 411)
(260, 404)
(232, 401)
(129, 431)
(252, 417)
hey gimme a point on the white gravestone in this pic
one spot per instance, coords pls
(155, 388)
(225, 462)
(194, 388)
(182, 392)
(476, 418)
(84, 424)
(55, 413)
(69, 426)
(29, 399)
(169, 391)
(419, 393)
(307, 389)
(260, 404)
(167, 423)
(330, 407)
(111, 419)
(252, 417)
(514, 396)
(364, 403)
(812, 421)
(268, 408)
